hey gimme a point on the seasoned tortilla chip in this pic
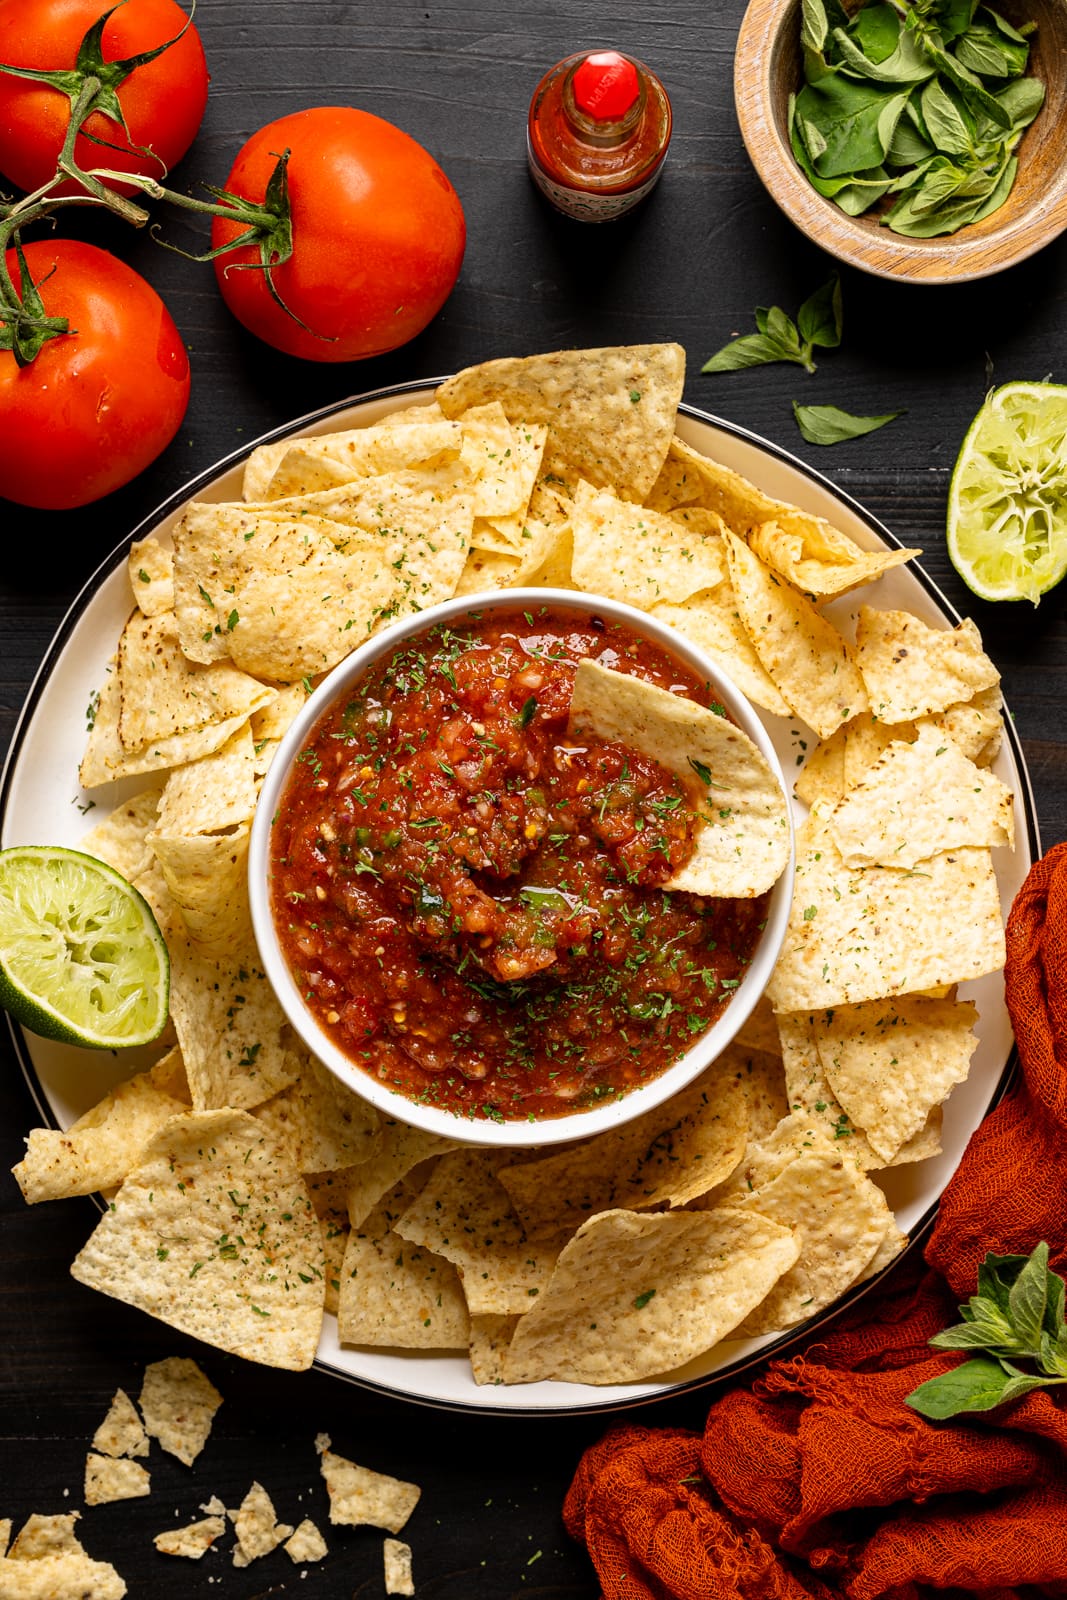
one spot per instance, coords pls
(362, 1498)
(823, 775)
(214, 794)
(818, 559)
(610, 413)
(464, 1214)
(206, 875)
(232, 1031)
(629, 553)
(634, 1296)
(306, 1543)
(193, 1541)
(165, 695)
(209, 1234)
(400, 1148)
(99, 1149)
(396, 1562)
(257, 1527)
(490, 1337)
(151, 570)
(502, 459)
(323, 1125)
(44, 1535)
(666, 1156)
(179, 1402)
(918, 799)
(105, 759)
(60, 1577)
(121, 838)
(911, 669)
(122, 1432)
(864, 933)
(890, 1062)
(742, 844)
(711, 621)
(108, 1479)
(397, 1294)
(808, 659)
(539, 544)
(331, 458)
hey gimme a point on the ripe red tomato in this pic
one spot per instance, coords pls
(99, 403)
(378, 236)
(163, 101)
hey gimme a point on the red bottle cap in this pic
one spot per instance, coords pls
(605, 86)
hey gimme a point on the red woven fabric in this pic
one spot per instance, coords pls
(814, 1478)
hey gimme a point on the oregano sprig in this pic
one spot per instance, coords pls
(1016, 1316)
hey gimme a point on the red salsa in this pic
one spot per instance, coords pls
(471, 902)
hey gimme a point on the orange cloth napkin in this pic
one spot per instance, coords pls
(813, 1478)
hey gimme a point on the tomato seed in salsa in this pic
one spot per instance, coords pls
(472, 903)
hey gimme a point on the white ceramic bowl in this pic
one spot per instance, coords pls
(432, 1119)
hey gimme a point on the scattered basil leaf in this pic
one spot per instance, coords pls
(779, 338)
(1017, 1314)
(830, 425)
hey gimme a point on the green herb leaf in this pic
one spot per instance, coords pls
(830, 425)
(819, 319)
(781, 339)
(977, 1385)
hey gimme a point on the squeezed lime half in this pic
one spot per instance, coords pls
(81, 955)
(1007, 506)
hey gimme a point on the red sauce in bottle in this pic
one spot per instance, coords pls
(597, 134)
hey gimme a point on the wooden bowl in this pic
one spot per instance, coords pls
(768, 69)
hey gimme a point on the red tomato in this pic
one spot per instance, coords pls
(99, 403)
(163, 101)
(378, 236)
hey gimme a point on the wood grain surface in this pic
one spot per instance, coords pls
(708, 247)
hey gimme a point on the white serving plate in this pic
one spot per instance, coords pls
(42, 803)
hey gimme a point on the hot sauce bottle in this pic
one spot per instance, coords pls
(597, 134)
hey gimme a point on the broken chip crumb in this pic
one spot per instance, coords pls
(108, 1479)
(42, 1535)
(360, 1497)
(178, 1403)
(306, 1544)
(397, 1559)
(121, 1433)
(257, 1527)
(59, 1577)
(192, 1541)
(214, 1507)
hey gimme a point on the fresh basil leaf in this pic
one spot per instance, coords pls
(978, 1335)
(989, 53)
(783, 330)
(1052, 1358)
(814, 25)
(908, 147)
(761, 315)
(969, 85)
(949, 125)
(830, 425)
(751, 350)
(953, 17)
(1054, 1323)
(1022, 101)
(1028, 1300)
(819, 319)
(1021, 1383)
(907, 64)
(854, 120)
(1004, 26)
(876, 29)
(977, 1385)
(1000, 192)
(854, 192)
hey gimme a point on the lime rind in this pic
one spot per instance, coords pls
(1007, 512)
(82, 959)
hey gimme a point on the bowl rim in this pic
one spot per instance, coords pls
(958, 258)
(430, 1119)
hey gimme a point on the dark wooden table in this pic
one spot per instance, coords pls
(691, 266)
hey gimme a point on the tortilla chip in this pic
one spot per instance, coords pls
(764, 1079)
(332, 458)
(151, 569)
(864, 933)
(179, 1402)
(396, 1560)
(818, 559)
(59, 1578)
(108, 1479)
(539, 545)
(362, 1498)
(629, 553)
(121, 839)
(808, 659)
(322, 1125)
(912, 669)
(121, 1433)
(502, 459)
(397, 1294)
(175, 1241)
(710, 620)
(214, 794)
(230, 1026)
(164, 695)
(823, 775)
(490, 1337)
(400, 1149)
(666, 1156)
(306, 1543)
(106, 760)
(742, 846)
(889, 1062)
(634, 1296)
(610, 413)
(44, 1535)
(193, 1541)
(918, 799)
(464, 1214)
(257, 1527)
(206, 876)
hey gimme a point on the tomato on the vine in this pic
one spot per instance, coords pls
(162, 101)
(378, 235)
(99, 403)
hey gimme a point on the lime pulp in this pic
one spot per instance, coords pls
(1007, 510)
(82, 958)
